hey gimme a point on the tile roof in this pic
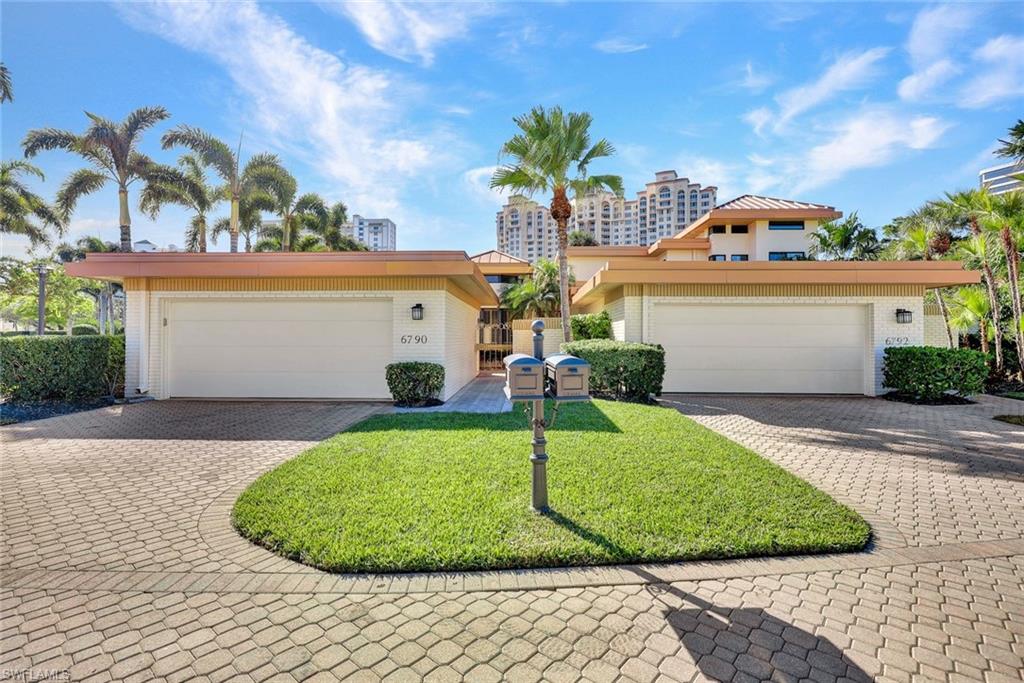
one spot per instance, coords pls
(757, 202)
(495, 256)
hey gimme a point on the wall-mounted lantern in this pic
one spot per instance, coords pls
(904, 316)
(417, 312)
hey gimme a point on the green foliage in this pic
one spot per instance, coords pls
(61, 367)
(451, 491)
(624, 371)
(591, 326)
(578, 238)
(65, 298)
(415, 384)
(538, 294)
(78, 330)
(845, 240)
(926, 373)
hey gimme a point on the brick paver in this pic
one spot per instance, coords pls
(119, 562)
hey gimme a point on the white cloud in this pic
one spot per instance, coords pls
(457, 110)
(849, 72)
(617, 46)
(921, 83)
(343, 119)
(753, 81)
(998, 73)
(758, 118)
(870, 138)
(477, 182)
(409, 31)
(934, 31)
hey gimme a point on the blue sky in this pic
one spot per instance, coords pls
(400, 109)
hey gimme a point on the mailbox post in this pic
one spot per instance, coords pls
(530, 379)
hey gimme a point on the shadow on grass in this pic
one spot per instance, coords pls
(727, 642)
(580, 417)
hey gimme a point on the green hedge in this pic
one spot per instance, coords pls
(61, 368)
(928, 372)
(624, 371)
(415, 384)
(591, 326)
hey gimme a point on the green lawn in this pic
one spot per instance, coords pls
(628, 483)
(1019, 395)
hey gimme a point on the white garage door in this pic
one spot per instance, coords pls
(762, 348)
(278, 349)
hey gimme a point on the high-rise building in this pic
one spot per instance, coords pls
(1000, 179)
(665, 206)
(376, 233)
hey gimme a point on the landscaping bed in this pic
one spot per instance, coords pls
(12, 412)
(446, 491)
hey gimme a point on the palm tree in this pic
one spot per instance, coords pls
(846, 240)
(6, 89)
(1013, 146)
(539, 294)
(185, 186)
(970, 309)
(104, 292)
(552, 152)
(295, 213)
(926, 237)
(23, 211)
(111, 149)
(1006, 219)
(250, 222)
(218, 156)
(579, 238)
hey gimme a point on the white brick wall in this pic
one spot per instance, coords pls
(883, 330)
(460, 365)
(935, 331)
(405, 345)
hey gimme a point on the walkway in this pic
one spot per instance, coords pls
(119, 562)
(482, 395)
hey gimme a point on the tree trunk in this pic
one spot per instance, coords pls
(101, 311)
(1013, 271)
(202, 236)
(945, 318)
(561, 210)
(993, 297)
(286, 234)
(126, 220)
(234, 223)
(983, 333)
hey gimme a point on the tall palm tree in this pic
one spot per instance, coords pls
(977, 251)
(1013, 146)
(295, 212)
(970, 309)
(926, 237)
(111, 149)
(225, 161)
(250, 221)
(24, 212)
(185, 186)
(552, 153)
(6, 88)
(1007, 221)
(846, 240)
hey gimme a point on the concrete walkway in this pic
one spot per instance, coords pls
(119, 562)
(482, 395)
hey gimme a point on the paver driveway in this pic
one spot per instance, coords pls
(119, 562)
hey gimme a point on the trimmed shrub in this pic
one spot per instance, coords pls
(61, 368)
(84, 329)
(415, 384)
(927, 373)
(623, 371)
(591, 326)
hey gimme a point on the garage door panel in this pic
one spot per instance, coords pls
(279, 349)
(766, 348)
(768, 358)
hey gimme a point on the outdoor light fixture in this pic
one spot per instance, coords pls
(417, 312)
(904, 316)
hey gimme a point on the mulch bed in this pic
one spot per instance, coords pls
(1011, 419)
(945, 400)
(15, 412)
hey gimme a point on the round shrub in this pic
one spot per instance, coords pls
(624, 371)
(591, 326)
(414, 384)
(928, 373)
(84, 329)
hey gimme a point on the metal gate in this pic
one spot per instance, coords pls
(494, 340)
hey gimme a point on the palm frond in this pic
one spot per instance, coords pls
(141, 119)
(45, 139)
(6, 88)
(80, 183)
(214, 152)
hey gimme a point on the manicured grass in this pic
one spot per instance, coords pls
(1019, 395)
(628, 483)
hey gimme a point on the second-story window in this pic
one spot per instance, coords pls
(785, 225)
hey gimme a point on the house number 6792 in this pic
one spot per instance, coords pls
(414, 339)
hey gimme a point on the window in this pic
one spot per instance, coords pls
(716, 257)
(739, 230)
(717, 229)
(786, 256)
(785, 225)
(739, 257)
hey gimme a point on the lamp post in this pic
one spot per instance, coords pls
(42, 270)
(539, 458)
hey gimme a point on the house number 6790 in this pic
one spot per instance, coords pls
(414, 339)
